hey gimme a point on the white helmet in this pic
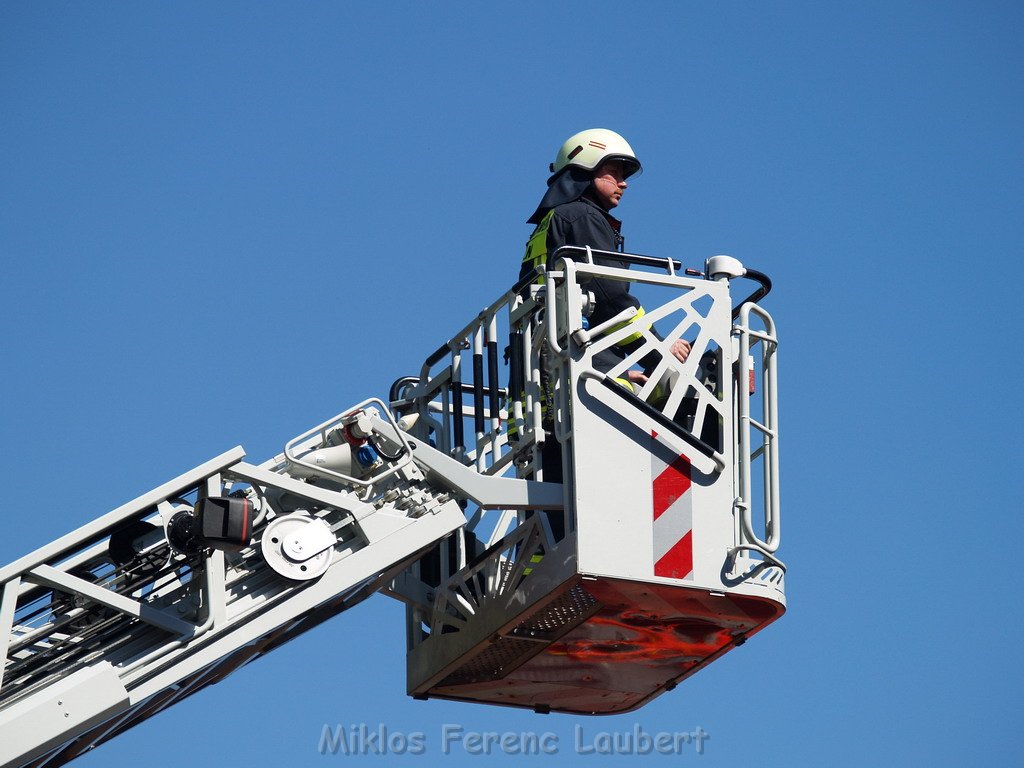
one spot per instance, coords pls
(588, 149)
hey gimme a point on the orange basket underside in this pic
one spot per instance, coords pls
(639, 640)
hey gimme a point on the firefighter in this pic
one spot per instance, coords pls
(588, 180)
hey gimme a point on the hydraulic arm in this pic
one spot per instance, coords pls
(592, 590)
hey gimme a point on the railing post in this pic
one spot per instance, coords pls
(768, 428)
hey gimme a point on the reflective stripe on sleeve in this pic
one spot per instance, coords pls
(633, 337)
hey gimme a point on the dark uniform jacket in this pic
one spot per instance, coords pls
(583, 222)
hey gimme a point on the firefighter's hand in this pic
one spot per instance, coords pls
(636, 377)
(681, 350)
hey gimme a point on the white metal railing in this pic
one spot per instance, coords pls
(767, 452)
(463, 391)
(670, 381)
(438, 396)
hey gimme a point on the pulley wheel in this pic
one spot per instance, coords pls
(272, 546)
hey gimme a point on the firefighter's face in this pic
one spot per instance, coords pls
(609, 183)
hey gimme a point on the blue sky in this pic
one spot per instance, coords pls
(223, 223)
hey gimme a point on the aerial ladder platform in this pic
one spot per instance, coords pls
(647, 552)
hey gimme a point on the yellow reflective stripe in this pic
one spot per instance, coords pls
(627, 384)
(537, 246)
(510, 422)
(533, 561)
(633, 337)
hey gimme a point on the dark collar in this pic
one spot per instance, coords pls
(616, 224)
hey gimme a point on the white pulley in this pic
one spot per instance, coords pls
(298, 546)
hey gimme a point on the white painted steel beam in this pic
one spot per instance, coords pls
(51, 577)
(103, 525)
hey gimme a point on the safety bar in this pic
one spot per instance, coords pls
(768, 426)
(655, 415)
(671, 265)
(467, 389)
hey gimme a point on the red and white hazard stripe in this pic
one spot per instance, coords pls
(673, 516)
